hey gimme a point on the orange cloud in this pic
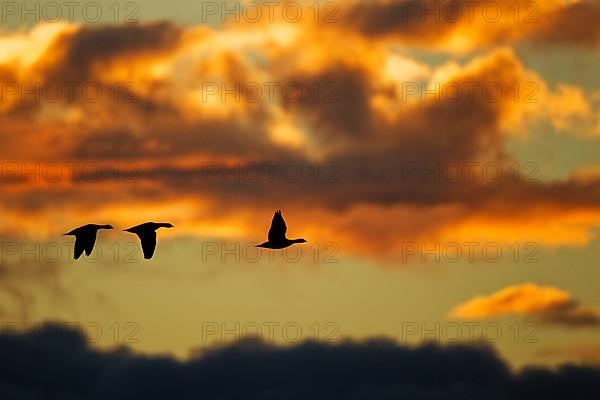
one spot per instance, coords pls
(368, 135)
(548, 303)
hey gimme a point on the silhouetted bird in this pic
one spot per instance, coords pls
(147, 234)
(85, 237)
(277, 239)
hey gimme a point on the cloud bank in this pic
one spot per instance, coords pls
(55, 362)
(178, 98)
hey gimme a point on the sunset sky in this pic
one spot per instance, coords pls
(356, 120)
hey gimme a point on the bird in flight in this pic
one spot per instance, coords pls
(147, 234)
(277, 239)
(85, 237)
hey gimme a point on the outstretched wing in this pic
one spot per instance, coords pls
(84, 241)
(148, 240)
(90, 244)
(278, 228)
(79, 247)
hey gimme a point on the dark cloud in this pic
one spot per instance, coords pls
(576, 23)
(431, 22)
(401, 18)
(169, 138)
(73, 56)
(382, 162)
(69, 72)
(371, 139)
(572, 315)
(462, 125)
(55, 362)
(337, 100)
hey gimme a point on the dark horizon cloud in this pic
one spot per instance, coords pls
(54, 361)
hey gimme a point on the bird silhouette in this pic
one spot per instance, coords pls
(85, 237)
(277, 239)
(147, 234)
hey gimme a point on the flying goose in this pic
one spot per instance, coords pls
(147, 234)
(85, 237)
(277, 239)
